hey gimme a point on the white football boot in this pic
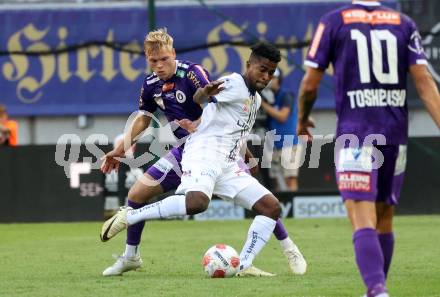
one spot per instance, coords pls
(297, 263)
(115, 224)
(254, 271)
(123, 264)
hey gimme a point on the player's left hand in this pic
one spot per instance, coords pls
(111, 161)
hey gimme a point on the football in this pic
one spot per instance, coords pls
(221, 261)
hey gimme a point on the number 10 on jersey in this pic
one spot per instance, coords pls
(376, 39)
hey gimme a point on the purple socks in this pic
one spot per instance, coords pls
(134, 232)
(369, 257)
(387, 244)
(280, 231)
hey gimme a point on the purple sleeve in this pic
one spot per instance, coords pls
(146, 102)
(416, 55)
(197, 77)
(320, 49)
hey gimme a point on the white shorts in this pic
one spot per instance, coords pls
(229, 183)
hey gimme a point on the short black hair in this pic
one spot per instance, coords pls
(266, 50)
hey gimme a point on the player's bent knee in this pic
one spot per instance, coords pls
(268, 206)
(144, 190)
(275, 211)
(196, 202)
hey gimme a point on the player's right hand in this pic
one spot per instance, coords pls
(213, 88)
(111, 161)
(303, 128)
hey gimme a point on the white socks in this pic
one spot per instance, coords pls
(259, 233)
(169, 207)
(131, 251)
(287, 243)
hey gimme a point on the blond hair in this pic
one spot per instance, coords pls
(158, 40)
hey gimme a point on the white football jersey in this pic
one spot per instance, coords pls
(225, 123)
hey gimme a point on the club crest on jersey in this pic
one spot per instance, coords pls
(247, 105)
(167, 87)
(180, 96)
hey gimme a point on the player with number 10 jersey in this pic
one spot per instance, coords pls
(371, 47)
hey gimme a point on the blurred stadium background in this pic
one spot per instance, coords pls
(70, 74)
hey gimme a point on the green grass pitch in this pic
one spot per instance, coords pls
(66, 260)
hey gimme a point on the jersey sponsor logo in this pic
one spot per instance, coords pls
(158, 99)
(194, 79)
(167, 87)
(354, 181)
(152, 81)
(376, 98)
(141, 101)
(210, 172)
(247, 105)
(183, 65)
(180, 73)
(316, 40)
(180, 96)
(375, 17)
(355, 159)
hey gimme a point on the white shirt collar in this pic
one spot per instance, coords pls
(177, 65)
(367, 3)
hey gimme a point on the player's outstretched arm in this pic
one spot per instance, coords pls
(308, 93)
(111, 159)
(203, 95)
(188, 125)
(427, 89)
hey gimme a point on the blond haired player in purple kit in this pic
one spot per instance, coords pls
(371, 48)
(170, 88)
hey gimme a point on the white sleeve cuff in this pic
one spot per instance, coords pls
(421, 62)
(144, 112)
(311, 64)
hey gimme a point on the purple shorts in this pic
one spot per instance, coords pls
(167, 171)
(360, 176)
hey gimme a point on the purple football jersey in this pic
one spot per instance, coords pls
(371, 48)
(175, 95)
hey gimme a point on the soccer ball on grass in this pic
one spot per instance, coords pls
(221, 261)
